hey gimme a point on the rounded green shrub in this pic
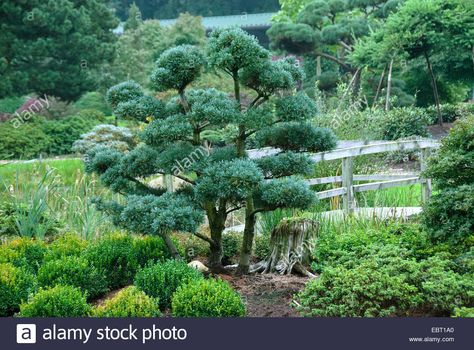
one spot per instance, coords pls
(449, 216)
(150, 249)
(129, 302)
(367, 290)
(22, 140)
(231, 243)
(23, 252)
(207, 298)
(15, 286)
(464, 312)
(261, 248)
(402, 122)
(114, 254)
(161, 280)
(74, 271)
(58, 301)
(93, 100)
(69, 244)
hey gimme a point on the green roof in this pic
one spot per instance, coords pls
(243, 20)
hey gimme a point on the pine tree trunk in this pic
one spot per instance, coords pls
(171, 247)
(389, 86)
(216, 226)
(290, 247)
(435, 88)
(247, 242)
(379, 87)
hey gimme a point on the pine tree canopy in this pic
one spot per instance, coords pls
(215, 180)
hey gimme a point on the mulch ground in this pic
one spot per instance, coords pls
(267, 295)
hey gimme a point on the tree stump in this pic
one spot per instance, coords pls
(290, 247)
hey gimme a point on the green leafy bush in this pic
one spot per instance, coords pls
(150, 249)
(161, 280)
(449, 215)
(114, 254)
(23, 252)
(23, 142)
(207, 298)
(367, 290)
(191, 246)
(449, 112)
(65, 131)
(401, 123)
(129, 302)
(73, 271)
(231, 243)
(262, 246)
(386, 281)
(93, 100)
(11, 104)
(464, 312)
(58, 301)
(15, 286)
(68, 244)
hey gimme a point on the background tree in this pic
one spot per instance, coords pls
(160, 9)
(138, 48)
(326, 30)
(134, 19)
(54, 47)
(215, 180)
(426, 31)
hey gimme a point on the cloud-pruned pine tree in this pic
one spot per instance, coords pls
(215, 180)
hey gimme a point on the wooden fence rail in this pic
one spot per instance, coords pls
(348, 189)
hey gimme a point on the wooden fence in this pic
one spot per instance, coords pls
(347, 179)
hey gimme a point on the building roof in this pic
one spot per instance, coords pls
(244, 20)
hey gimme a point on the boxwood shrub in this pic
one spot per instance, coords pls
(161, 280)
(23, 252)
(114, 254)
(207, 298)
(129, 302)
(68, 244)
(74, 271)
(58, 301)
(150, 249)
(15, 286)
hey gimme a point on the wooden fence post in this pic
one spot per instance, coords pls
(426, 187)
(347, 182)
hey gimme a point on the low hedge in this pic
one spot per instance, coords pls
(15, 286)
(207, 298)
(129, 302)
(161, 280)
(58, 301)
(74, 271)
(114, 255)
